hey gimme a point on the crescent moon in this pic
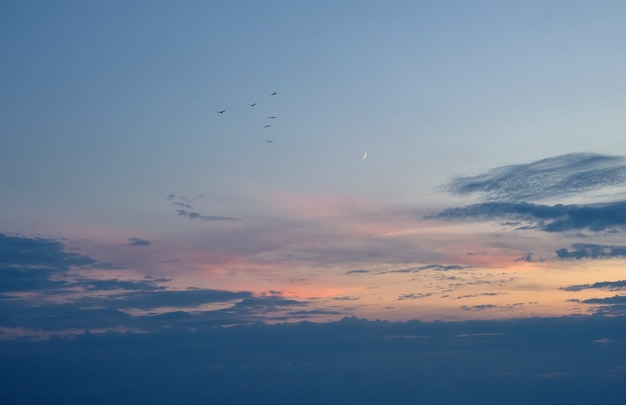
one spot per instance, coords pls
(364, 155)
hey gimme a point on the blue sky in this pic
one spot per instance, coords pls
(493, 183)
(154, 249)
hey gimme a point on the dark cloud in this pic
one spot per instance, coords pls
(202, 217)
(114, 284)
(139, 242)
(17, 251)
(487, 294)
(413, 296)
(608, 306)
(346, 298)
(551, 177)
(529, 257)
(556, 218)
(185, 207)
(357, 271)
(482, 307)
(33, 264)
(172, 298)
(486, 307)
(591, 251)
(111, 311)
(264, 304)
(616, 299)
(435, 267)
(66, 299)
(603, 285)
(354, 360)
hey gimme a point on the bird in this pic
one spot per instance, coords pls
(266, 126)
(222, 112)
(252, 105)
(272, 117)
(269, 141)
(274, 93)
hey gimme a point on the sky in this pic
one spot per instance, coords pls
(426, 161)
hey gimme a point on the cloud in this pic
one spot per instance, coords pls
(28, 264)
(487, 294)
(556, 218)
(357, 271)
(528, 257)
(486, 307)
(591, 251)
(37, 252)
(185, 207)
(378, 361)
(202, 217)
(64, 295)
(482, 307)
(139, 242)
(413, 296)
(173, 298)
(114, 284)
(604, 285)
(616, 299)
(434, 267)
(552, 177)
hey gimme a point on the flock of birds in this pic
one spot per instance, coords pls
(271, 117)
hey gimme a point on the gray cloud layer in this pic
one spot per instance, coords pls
(64, 299)
(555, 218)
(591, 251)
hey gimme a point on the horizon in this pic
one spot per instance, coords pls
(173, 171)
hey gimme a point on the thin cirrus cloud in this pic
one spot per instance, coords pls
(433, 267)
(552, 177)
(509, 194)
(185, 208)
(202, 217)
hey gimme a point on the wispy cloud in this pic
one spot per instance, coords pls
(552, 177)
(139, 242)
(487, 307)
(185, 208)
(555, 218)
(591, 251)
(357, 272)
(433, 267)
(602, 285)
(202, 217)
(413, 296)
(174, 298)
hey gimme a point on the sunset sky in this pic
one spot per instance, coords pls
(312, 202)
(494, 185)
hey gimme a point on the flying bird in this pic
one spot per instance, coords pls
(222, 112)
(266, 126)
(252, 105)
(272, 117)
(269, 141)
(274, 93)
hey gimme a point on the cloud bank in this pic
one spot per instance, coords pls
(548, 218)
